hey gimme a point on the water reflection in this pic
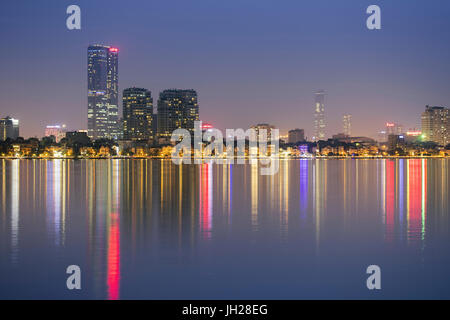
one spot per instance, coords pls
(113, 272)
(206, 200)
(15, 195)
(116, 212)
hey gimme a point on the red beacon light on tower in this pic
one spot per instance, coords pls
(206, 126)
(113, 50)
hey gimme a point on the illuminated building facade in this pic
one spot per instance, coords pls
(103, 92)
(177, 109)
(9, 128)
(435, 125)
(57, 131)
(391, 128)
(394, 128)
(137, 114)
(319, 116)
(263, 126)
(347, 124)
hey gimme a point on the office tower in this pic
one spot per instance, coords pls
(155, 124)
(347, 124)
(436, 125)
(391, 128)
(296, 135)
(137, 114)
(176, 109)
(394, 128)
(263, 126)
(120, 128)
(9, 128)
(103, 92)
(319, 116)
(57, 131)
(395, 141)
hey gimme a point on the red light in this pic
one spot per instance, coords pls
(113, 50)
(206, 126)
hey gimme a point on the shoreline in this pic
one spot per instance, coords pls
(279, 158)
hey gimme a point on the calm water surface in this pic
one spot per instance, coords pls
(151, 229)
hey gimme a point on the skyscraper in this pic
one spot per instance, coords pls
(319, 116)
(103, 92)
(137, 114)
(263, 128)
(57, 131)
(436, 125)
(9, 128)
(347, 124)
(296, 135)
(177, 108)
(394, 128)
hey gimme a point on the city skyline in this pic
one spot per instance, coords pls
(231, 77)
(225, 158)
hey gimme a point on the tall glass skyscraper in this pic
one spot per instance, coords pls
(319, 116)
(176, 109)
(103, 88)
(137, 114)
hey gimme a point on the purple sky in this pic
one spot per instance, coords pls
(250, 61)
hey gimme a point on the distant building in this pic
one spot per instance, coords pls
(395, 141)
(340, 136)
(77, 137)
(263, 126)
(346, 139)
(155, 125)
(436, 125)
(176, 109)
(137, 114)
(103, 92)
(120, 129)
(394, 128)
(412, 135)
(319, 116)
(347, 124)
(57, 131)
(296, 135)
(390, 128)
(9, 128)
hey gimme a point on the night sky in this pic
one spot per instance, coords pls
(250, 61)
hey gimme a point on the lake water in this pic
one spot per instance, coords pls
(151, 229)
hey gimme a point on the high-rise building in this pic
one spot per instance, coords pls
(259, 129)
(319, 116)
(296, 135)
(436, 125)
(394, 128)
(9, 128)
(103, 92)
(57, 131)
(391, 128)
(347, 124)
(176, 109)
(137, 114)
